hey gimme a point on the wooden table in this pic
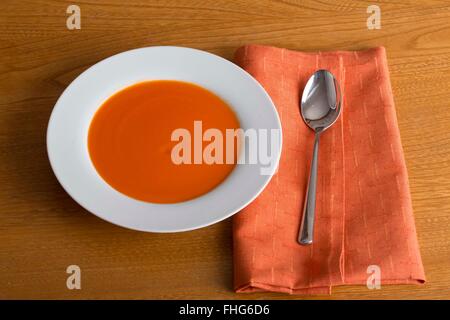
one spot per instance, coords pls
(42, 230)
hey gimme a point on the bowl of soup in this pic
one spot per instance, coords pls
(164, 139)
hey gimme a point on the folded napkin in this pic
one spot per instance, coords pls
(364, 215)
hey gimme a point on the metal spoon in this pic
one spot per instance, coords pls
(320, 108)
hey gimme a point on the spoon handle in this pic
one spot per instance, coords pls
(305, 236)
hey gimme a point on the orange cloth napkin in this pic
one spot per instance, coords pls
(363, 211)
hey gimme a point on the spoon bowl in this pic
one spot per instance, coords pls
(320, 108)
(321, 101)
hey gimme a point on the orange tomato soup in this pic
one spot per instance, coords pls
(130, 143)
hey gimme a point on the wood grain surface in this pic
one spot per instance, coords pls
(42, 230)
